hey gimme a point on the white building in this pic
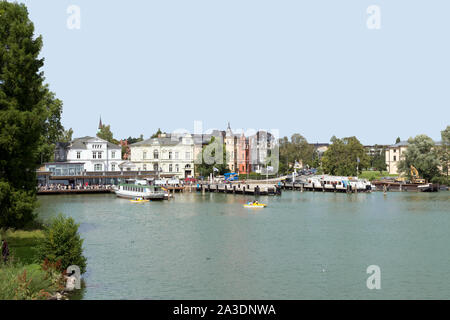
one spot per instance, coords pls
(261, 145)
(96, 154)
(171, 155)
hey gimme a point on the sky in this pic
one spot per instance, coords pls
(310, 67)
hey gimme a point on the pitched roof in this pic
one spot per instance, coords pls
(80, 143)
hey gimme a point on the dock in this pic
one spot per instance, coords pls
(239, 188)
(73, 191)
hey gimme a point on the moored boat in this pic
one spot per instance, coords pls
(145, 192)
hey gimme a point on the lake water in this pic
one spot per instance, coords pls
(302, 246)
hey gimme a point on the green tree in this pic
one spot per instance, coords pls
(53, 130)
(131, 140)
(156, 134)
(207, 159)
(29, 114)
(297, 149)
(66, 136)
(444, 152)
(343, 155)
(105, 133)
(422, 154)
(378, 162)
(62, 243)
(397, 140)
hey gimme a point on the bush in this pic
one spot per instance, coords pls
(62, 244)
(24, 282)
(16, 206)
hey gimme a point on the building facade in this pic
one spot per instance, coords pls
(260, 146)
(170, 155)
(96, 154)
(394, 154)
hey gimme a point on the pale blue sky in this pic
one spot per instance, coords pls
(311, 67)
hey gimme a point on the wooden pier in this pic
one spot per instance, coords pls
(239, 188)
(73, 191)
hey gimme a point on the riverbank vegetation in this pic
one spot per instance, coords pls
(38, 259)
(431, 159)
(22, 276)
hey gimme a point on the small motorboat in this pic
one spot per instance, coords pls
(255, 205)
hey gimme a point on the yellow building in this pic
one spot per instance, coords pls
(394, 154)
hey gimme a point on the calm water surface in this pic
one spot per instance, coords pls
(302, 246)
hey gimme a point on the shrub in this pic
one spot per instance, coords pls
(62, 244)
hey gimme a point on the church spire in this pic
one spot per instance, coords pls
(100, 125)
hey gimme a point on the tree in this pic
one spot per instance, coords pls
(422, 154)
(444, 152)
(66, 136)
(378, 161)
(62, 243)
(29, 114)
(344, 156)
(297, 149)
(397, 140)
(131, 140)
(156, 134)
(208, 161)
(53, 130)
(106, 134)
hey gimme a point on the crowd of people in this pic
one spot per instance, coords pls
(59, 186)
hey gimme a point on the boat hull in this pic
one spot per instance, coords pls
(146, 196)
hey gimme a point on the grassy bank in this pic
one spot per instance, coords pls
(23, 276)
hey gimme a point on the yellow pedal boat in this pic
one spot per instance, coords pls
(139, 200)
(255, 205)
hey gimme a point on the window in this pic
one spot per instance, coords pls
(155, 154)
(170, 167)
(144, 155)
(78, 155)
(170, 155)
(188, 155)
(395, 158)
(99, 155)
(113, 154)
(176, 155)
(94, 155)
(113, 167)
(155, 166)
(144, 167)
(98, 167)
(177, 168)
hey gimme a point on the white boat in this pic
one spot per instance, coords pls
(335, 183)
(147, 192)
